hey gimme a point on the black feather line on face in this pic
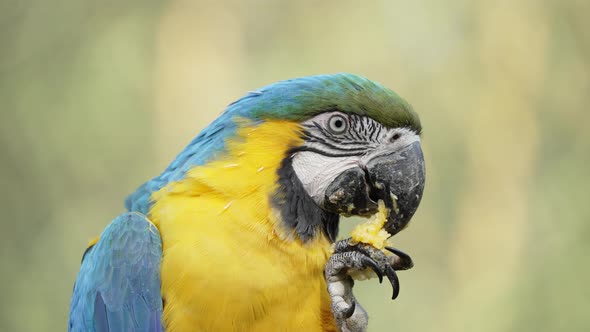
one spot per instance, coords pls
(360, 146)
(299, 212)
(329, 154)
(344, 140)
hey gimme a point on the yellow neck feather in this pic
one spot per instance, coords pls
(223, 249)
(246, 171)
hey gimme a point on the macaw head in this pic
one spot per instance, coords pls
(358, 143)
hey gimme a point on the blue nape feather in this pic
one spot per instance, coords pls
(118, 286)
(209, 142)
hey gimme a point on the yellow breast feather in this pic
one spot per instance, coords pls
(226, 265)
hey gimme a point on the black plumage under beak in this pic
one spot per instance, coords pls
(396, 178)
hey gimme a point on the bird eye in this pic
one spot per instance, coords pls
(337, 124)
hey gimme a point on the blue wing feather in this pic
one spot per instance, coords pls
(118, 286)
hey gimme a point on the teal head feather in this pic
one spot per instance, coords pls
(302, 98)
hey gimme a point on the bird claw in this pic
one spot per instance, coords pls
(347, 313)
(403, 261)
(393, 279)
(368, 262)
(386, 264)
(349, 257)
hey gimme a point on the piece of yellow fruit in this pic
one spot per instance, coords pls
(372, 232)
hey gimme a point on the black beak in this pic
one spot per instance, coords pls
(396, 178)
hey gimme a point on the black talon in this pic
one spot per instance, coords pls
(373, 265)
(350, 310)
(405, 259)
(398, 252)
(393, 279)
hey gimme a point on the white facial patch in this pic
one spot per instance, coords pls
(316, 171)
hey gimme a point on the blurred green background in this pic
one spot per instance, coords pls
(98, 96)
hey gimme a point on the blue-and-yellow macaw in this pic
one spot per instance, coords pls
(238, 232)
